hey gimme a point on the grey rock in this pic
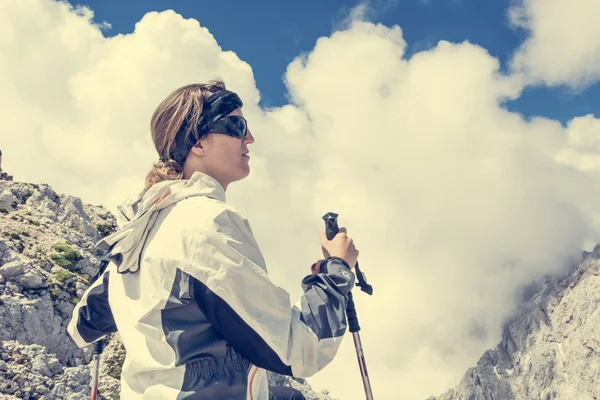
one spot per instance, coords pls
(35, 321)
(550, 351)
(46, 365)
(73, 238)
(13, 268)
(7, 199)
(6, 254)
(22, 191)
(89, 265)
(45, 201)
(31, 280)
(76, 218)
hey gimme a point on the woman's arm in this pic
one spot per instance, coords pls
(236, 295)
(92, 318)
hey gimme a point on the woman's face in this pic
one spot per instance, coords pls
(225, 157)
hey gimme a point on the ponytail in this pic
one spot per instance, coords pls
(162, 171)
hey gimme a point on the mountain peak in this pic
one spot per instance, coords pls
(551, 350)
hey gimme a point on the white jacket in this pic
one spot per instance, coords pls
(188, 291)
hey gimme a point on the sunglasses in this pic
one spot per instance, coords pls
(233, 126)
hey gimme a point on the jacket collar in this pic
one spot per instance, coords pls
(137, 216)
(210, 185)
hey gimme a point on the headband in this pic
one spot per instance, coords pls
(215, 107)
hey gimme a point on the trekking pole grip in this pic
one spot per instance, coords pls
(331, 229)
(97, 349)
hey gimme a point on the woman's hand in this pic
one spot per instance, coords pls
(341, 246)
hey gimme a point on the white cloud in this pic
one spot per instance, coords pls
(366, 11)
(462, 200)
(563, 46)
(454, 202)
(583, 144)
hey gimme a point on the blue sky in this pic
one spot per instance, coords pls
(270, 33)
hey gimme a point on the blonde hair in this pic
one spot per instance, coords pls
(182, 104)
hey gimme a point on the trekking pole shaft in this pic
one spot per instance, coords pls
(360, 355)
(96, 369)
(363, 365)
(331, 229)
(95, 373)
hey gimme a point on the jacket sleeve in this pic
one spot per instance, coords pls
(255, 316)
(92, 318)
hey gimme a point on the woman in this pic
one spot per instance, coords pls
(187, 287)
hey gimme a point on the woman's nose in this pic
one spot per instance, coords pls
(249, 138)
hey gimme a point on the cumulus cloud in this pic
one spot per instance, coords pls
(465, 202)
(78, 104)
(563, 46)
(582, 150)
(366, 10)
(454, 202)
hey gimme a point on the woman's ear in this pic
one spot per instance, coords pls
(201, 146)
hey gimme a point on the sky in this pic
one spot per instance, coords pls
(458, 141)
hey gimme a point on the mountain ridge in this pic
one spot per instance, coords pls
(551, 350)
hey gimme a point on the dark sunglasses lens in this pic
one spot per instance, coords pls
(232, 126)
(239, 126)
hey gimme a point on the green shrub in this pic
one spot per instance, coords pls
(26, 234)
(62, 276)
(65, 256)
(55, 292)
(104, 229)
(15, 236)
(14, 218)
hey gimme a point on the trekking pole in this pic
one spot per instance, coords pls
(331, 229)
(96, 369)
(97, 349)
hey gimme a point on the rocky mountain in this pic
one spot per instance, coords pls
(47, 257)
(551, 351)
(5, 177)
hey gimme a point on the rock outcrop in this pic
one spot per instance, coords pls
(551, 351)
(5, 177)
